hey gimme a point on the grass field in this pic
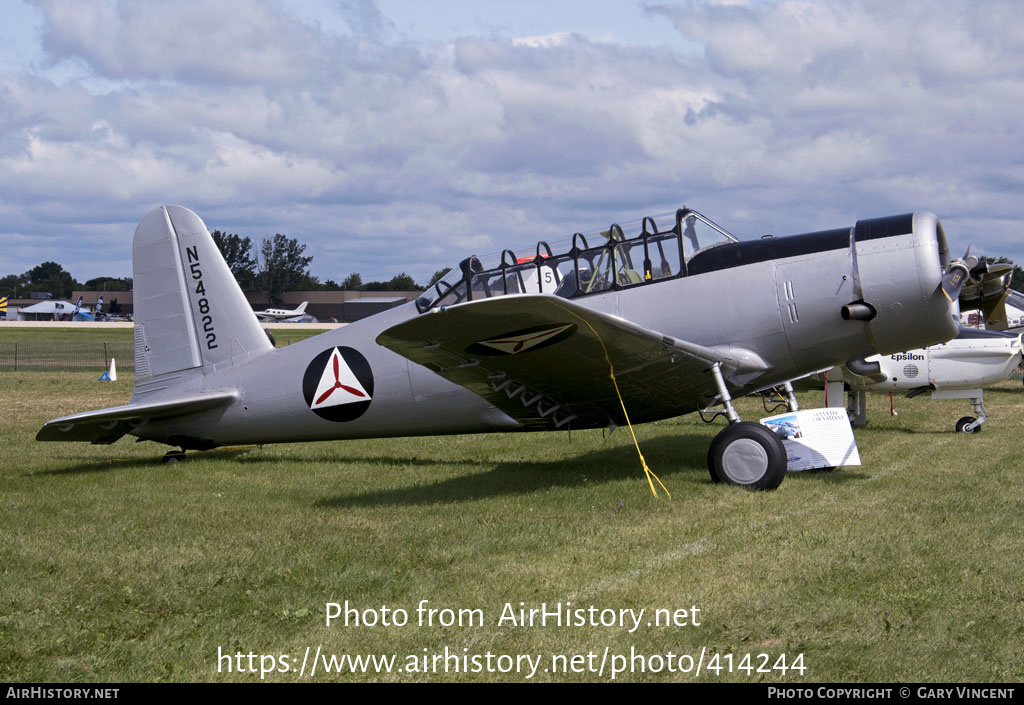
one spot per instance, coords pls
(71, 334)
(119, 568)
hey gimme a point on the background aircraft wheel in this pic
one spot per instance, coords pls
(173, 456)
(749, 455)
(961, 425)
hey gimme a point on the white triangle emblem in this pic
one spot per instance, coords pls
(523, 341)
(338, 385)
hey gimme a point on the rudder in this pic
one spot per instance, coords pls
(189, 310)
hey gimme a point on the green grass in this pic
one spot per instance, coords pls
(908, 568)
(70, 334)
(65, 335)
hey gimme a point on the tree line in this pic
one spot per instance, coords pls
(51, 277)
(279, 265)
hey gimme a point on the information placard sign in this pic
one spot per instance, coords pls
(815, 438)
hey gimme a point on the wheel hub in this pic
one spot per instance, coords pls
(745, 461)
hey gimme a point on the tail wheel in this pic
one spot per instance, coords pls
(961, 425)
(748, 455)
(173, 456)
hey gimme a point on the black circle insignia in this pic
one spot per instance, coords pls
(322, 367)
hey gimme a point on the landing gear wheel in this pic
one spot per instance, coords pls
(173, 456)
(749, 455)
(961, 425)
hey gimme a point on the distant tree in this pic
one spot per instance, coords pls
(237, 252)
(437, 276)
(353, 282)
(400, 282)
(13, 285)
(282, 266)
(403, 282)
(310, 283)
(108, 284)
(331, 285)
(51, 277)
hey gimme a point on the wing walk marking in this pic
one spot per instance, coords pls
(512, 391)
(500, 382)
(611, 373)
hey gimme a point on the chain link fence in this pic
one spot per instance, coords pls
(65, 356)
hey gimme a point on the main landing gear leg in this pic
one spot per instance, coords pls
(969, 424)
(787, 388)
(857, 408)
(744, 453)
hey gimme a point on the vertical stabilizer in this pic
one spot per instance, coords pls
(189, 310)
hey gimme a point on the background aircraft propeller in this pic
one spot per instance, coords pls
(957, 274)
(983, 286)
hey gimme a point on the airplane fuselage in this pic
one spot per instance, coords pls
(969, 362)
(775, 300)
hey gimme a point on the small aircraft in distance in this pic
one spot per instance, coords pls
(957, 369)
(674, 317)
(282, 314)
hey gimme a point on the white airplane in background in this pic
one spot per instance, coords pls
(281, 314)
(957, 369)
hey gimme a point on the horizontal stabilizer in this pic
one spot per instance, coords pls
(107, 425)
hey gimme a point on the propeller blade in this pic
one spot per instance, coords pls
(991, 271)
(953, 280)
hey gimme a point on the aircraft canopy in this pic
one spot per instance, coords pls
(617, 258)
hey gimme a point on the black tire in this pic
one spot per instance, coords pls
(748, 455)
(961, 425)
(173, 456)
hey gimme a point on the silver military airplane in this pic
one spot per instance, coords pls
(673, 318)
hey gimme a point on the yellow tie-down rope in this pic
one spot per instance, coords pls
(611, 373)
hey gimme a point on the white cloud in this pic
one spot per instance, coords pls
(799, 115)
(248, 41)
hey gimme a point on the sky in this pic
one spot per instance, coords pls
(402, 135)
